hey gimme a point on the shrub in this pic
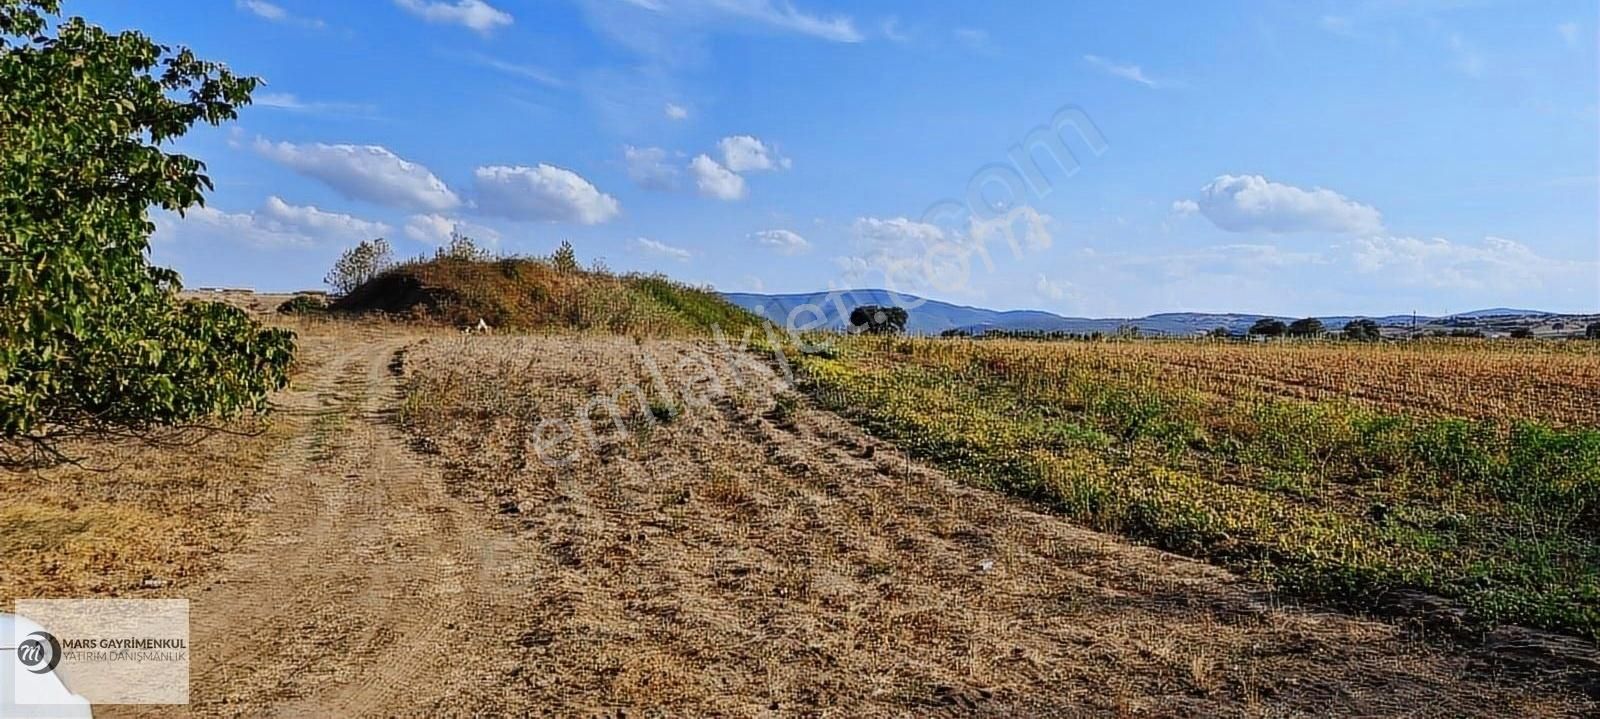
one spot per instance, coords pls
(93, 338)
(303, 305)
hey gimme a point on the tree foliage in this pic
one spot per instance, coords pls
(92, 337)
(464, 248)
(1594, 331)
(1268, 327)
(1362, 330)
(876, 320)
(564, 259)
(1307, 327)
(357, 265)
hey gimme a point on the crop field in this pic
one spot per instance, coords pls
(1458, 483)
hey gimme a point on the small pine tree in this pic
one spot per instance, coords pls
(565, 260)
(462, 247)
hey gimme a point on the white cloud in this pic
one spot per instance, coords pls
(1126, 72)
(318, 223)
(779, 14)
(973, 38)
(676, 112)
(263, 9)
(1251, 203)
(1496, 264)
(1569, 33)
(1184, 208)
(365, 172)
(529, 72)
(743, 153)
(783, 242)
(433, 229)
(275, 13)
(1044, 287)
(276, 224)
(292, 103)
(1035, 226)
(475, 14)
(545, 193)
(660, 249)
(892, 31)
(714, 180)
(647, 166)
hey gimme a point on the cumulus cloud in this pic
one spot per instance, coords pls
(1125, 71)
(1497, 263)
(647, 167)
(544, 193)
(714, 180)
(676, 112)
(475, 14)
(1021, 228)
(660, 249)
(365, 172)
(434, 229)
(276, 224)
(743, 153)
(1252, 203)
(783, 242)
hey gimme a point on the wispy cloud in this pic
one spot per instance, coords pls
(660, 249)
(529, 72)
(1124, 71)
(292, 103)
(276, 13)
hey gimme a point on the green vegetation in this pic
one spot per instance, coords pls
(875, 320)
(1268, 327)
(303, 305)
(1329, 499)
(92, 337)
(462, 285)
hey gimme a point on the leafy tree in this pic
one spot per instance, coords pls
(462, 247)
(1593, 331)
(565, 260)
(876, 320)
(355, 266)
(1522, 333)
(92, 337)
(1268, 327)
(1308, 327)
(1220, 333)
(1362, 330)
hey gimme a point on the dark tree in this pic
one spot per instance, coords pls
(1522, 333)
(1220, 333)
(876, 320)
(93, 338)
(1268, 327)
(1308, 327)
(1362, 330)
(1594, 331)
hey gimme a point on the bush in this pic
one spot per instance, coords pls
(93, 338)
(303, 305)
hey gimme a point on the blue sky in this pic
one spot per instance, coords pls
(1285, 157)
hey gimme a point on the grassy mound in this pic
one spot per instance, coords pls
(530, 293)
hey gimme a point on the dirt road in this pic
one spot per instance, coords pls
(740, 558)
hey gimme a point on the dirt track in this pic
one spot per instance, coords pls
(735, 561)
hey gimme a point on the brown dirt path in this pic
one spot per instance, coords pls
(358, 586)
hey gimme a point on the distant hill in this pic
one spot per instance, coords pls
(931, 317)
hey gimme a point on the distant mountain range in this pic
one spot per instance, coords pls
(931, 317)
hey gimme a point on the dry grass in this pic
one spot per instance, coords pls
(752, 558)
